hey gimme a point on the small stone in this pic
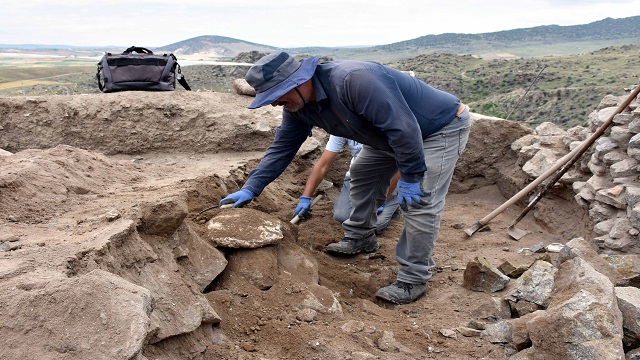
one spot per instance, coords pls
(388, 343)
(9, 238)
(112, 216)
(477, 325)
(316, 345)
(469, 332)
(538, 248)
(247, 346)
(352, 327)
(10, 246)
(448, 333)
(361, 355)
(307, 315)
(555, 247)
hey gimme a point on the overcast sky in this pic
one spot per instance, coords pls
(284, 23)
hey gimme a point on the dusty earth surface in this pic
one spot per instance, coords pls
(84, 165)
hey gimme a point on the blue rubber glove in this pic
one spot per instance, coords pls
(409, 194)
(239, 198)
(304, 207)
(380, 209)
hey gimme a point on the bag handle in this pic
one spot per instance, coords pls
(100, 84)
(138, 49)
(181, 80)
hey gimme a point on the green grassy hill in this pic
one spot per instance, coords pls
(567, 90)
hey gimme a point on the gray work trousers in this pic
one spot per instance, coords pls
(371, 173)
(342, 207)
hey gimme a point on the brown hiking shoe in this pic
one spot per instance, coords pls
(401, 292)
(351, 246)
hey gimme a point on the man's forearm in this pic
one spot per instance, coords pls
(312, 182)
(318, 172)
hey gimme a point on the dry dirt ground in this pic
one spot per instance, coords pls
(78, 159)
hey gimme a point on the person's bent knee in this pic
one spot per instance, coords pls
(340, 216)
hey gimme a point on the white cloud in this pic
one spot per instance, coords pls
(286, 22)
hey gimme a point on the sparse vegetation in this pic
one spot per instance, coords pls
(568, 89)
(492, 82)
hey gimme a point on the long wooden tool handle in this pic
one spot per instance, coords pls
(580, 149)
(313, 202)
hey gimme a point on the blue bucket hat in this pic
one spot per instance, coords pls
(276, 74)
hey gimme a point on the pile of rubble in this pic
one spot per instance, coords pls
(582, 305)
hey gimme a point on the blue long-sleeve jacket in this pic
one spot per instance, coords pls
(368, 102)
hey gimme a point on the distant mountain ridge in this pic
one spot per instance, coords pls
(213, 44)
(544, 40)
(525, 42)
(615, 29)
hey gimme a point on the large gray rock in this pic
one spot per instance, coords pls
(582, 321)
(579, 247)
(629, 304)
(94, 316)
(627, 266)
(541, 162)
(534, 285)
(258, 266)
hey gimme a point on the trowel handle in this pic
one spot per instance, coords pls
(313, 202)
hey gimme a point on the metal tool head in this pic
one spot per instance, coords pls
(516, 233)
(225, 206)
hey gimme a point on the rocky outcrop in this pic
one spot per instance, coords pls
(567, 310)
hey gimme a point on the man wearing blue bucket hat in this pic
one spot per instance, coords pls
(404, 124)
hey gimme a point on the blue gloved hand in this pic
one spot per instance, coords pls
(239, 198)
(380, 209)
(304, 207)
(409, 194)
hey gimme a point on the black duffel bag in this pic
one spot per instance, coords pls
(138, 68)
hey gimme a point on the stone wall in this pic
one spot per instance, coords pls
(606, 177)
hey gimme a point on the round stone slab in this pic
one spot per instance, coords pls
(243, 229)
